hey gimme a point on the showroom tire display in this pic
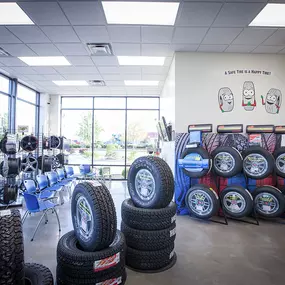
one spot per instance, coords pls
(11, 248)
(149, 240)
(237, 201)
(37, 274)
(197, 153)
(148, 219)
(269, 201)
(258, 163)
(79, 264)
(202, 201)
(227, 161)
(279, 156)
(150, 182)
(93, 216)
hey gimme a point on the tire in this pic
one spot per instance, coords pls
(37, 274)
(227, 161)
(148, 219)
(269, 196)
(199, 194)
(95, 224)
(117, 277)
(149, 240)
(237, 201)
(149, 260)
(155, 173)
(11, 248)
(279, 156)
(192, 154)
(80, 264)
(263, 160)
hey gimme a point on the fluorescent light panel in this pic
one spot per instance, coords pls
(140, 13)
(45, 60)
(141, 60)
(71, 83)
(12, 14)
(141, 83)
(272, 15)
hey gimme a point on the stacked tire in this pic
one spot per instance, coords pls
(149, 217)
(94, 253)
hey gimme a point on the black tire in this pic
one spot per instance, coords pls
(120, 275)
(148, 219)
(149, 260)
(269, 201)
(79, 264)
(279, 156)
(155, 169)
(37, 274)
(227, 161)
(98, 216)
(149, 240)
(199, 193)
(203, 155)
(261, 157)
(11, 248)
(237, 201)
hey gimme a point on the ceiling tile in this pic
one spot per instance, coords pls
(157, 50)
(189, 35)
(168, 61)
(133, 76)
(158, 77)
(157, 34)
(12, 61)
(45, 49)
(18, 49)
(29, 34)
(116, 76)
(268, 49)
(105, 60)
(5, 69)
(133, 90)
(155, 70)
(80, 60)
(198, 14)
(60, 34)
(54, 77)
(44, 70)
(124, 34)
(184, 47)
(115, 83)
(221, 35)
(278, 38)
(72, 49)
(240, 48)
(1, 64)
(253, 36)
(24, 70)
(126, 49)
(237, 14)
(92, 34)
(76, 69)
(83, 76)
(151, 92)
(44, 13)
(130, 69)
(212, 48)
(7, 37)
(108, 69)
(84, 13)
(35, 77)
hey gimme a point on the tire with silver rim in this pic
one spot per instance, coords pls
(269, 201)
(237, 201)
(150, 182)
(202, 201)
(279, 156)
(258, 163)
(93, 215)
(227, 161)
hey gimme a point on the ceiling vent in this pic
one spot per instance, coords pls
(100, 49)
(4, 53)
(96, 82)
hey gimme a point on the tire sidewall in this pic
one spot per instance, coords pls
(277, 153)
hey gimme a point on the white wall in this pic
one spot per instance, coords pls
(44, 112)
(54, 119)
(199, 77)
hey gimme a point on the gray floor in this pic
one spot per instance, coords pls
(208, 253)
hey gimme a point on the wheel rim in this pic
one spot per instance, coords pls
(255, 164)
(84, 218)
(224, 162)
(29, 164)
(234, 202)
(200, 202)
(145, 184)
(267, 203)
(280, 162)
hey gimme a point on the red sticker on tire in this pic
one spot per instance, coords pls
(106, 263)
(114, 281)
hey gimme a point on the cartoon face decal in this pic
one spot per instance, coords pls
(248, 96)
(272, 101)
(226, 99)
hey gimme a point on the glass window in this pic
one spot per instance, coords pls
(143, 103)
(4, 84)
(26, 115)
(77, 103)
(110, 103)
(26, 94)
(4, 117)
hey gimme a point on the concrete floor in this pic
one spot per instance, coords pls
(208, 253)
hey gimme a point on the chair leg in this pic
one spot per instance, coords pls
(38, 225)
(59, 228)
(25, 216)
(61, 197)
(46, 218)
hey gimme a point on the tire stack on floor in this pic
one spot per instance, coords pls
(94, 253)
(13, 270)
(148, 218)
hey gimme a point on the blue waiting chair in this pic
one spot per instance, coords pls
(34, 205)
(31, 188)
(61, 177)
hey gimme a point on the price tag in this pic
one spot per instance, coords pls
(5, 213)
(266, 208)
(199, 208)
